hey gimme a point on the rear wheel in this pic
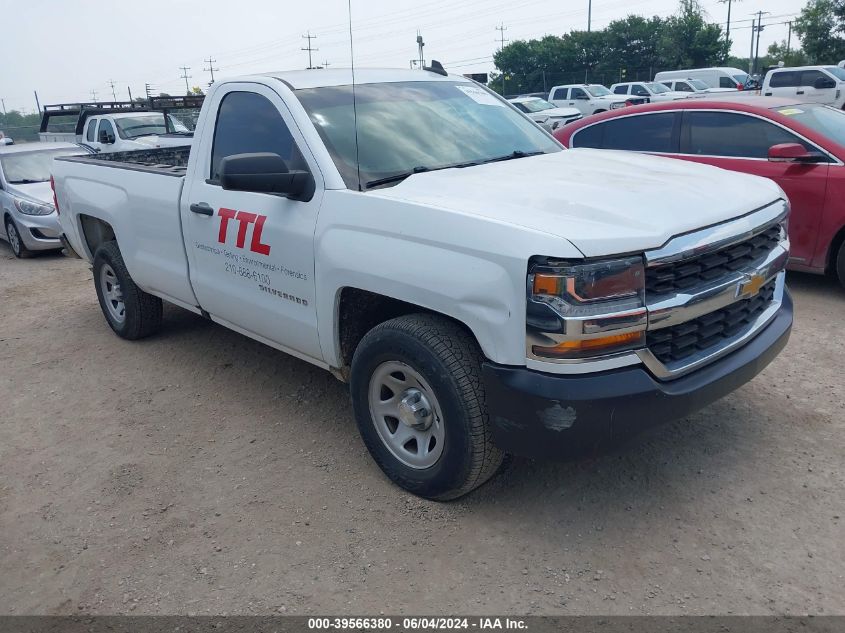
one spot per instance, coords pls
(130, 312)
(840, 264)
(420, 406)
(15, 242)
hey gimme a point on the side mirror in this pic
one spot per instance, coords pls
(824, 83)
(792, 153)
(265, 172)
(106, 138)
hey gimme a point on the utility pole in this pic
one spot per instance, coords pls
(37, 102)
(113, 94)
(760, 27)
(789, 38)
(420, 45)
(589, 15)
(326, 64)
(210, 68)
(751, 52)
(502, 28)
(186, 76)
(3, 101)
(148, 89)
(94, 95)
(309, 48)
(129, 90)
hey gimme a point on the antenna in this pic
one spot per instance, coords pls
(354, 105)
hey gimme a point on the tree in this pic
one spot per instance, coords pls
(819, 26)
(794, 57)
(196, 90)
(690, 42)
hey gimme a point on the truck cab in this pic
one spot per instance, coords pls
(653, 92)
(809, 84)
(590, 98)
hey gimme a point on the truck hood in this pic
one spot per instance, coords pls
(603, 202)
(560, 112)
(37, 191)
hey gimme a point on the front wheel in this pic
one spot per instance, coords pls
(420, 406)
(131, 312)
(19, 249)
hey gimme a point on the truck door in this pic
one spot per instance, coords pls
(252, 254)
(812, 88)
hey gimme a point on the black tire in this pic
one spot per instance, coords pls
(142, 311)
(449, 360)
(13, 236)
(840, 264)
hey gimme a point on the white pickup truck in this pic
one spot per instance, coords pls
(483, 290)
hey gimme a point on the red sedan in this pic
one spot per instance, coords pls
(799, 146)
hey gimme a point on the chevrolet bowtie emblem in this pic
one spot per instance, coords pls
(750, 286)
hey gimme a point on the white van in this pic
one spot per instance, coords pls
(807, 84)
(718, 77)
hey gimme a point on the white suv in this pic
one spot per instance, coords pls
(808, 84)
(589, 98)
(546, 114)
(651, 90)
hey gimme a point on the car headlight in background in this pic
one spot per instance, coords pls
(616, 106)
(580, 310)
(29, 207)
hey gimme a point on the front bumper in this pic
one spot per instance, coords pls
(552, 415)
(39, 232)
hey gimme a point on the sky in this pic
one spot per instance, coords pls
(65, 49)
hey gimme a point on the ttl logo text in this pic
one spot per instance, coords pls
(245, 219)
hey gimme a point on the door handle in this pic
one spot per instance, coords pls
(768, 94)
(800, 92)
(203, 208)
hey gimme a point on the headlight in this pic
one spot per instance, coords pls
(616, 106)
(578, 310)
(29, 207)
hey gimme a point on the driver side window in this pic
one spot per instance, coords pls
(639, 91)
(91, 135)
(248, 122)
(105, 126)
(578, 93)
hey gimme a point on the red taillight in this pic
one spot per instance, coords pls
(55, 200)
(628, 103)
(740, 87)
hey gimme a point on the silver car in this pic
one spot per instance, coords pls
(30, 222)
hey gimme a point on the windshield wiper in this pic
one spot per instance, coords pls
(397, 177)
(517, 153)
(418, 170)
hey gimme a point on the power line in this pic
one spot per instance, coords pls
(210, 68)
(186, 76)
(309, 48)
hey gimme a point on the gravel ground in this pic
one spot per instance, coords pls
(200, 472)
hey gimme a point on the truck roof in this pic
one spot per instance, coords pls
(321, 78)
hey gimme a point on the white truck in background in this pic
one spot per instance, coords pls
(122, 126)
(482, 290)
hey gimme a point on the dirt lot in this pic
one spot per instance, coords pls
(201, 472)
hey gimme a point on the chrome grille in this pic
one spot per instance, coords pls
(709, 267)
(675, 343)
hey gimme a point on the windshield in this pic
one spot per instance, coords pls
(824, 120)
(698, 84)
(598, 91)
(535, 105)
(23, 168)
(657, 88)
(147, 125)
(405, 127)
(836, 71)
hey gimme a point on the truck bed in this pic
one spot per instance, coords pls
(168, 161)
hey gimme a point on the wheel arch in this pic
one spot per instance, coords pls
(833, 250)
(357, 311)
(95, 232)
